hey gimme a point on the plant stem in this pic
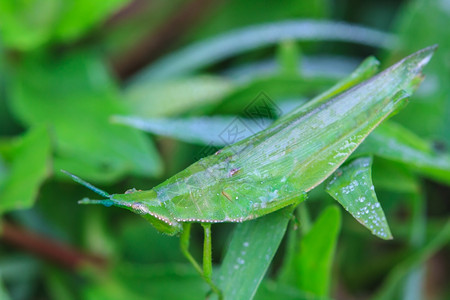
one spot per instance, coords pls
(49, 249)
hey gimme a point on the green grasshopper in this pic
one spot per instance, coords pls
(274, 168)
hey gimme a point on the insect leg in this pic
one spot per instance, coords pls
(184, 245)
(206, 272)
(207, 259)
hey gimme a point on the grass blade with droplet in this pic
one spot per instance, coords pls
(352, 187)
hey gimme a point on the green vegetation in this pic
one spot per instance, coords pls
(138, 97)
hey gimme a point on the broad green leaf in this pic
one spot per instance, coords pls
(394, 142)
(312, 264)
(250, 252)
(75, 96)
(27, 25)
(29, 165)
(351, 185)
(208, 52)
(176, 97)
(81, 15)
(390, 285)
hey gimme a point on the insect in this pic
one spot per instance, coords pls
(274, 168)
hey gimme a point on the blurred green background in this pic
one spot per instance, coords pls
(68, 67)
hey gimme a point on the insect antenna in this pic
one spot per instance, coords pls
(88, 185)
(105, 202)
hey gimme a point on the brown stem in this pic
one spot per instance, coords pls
(48, 249)
(156, 42)
(128, 11)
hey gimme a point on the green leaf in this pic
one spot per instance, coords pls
(144, 281)
(288, 57)
(208, 52)
(197, 130)
(3, 293)
(27, 25)
(274, 290)
(28, 168)
(364, 71)
(176, 97)
(394, 142)
(278, 87)
(419, 23)
(209, 130)
(78, 16)
(352, 187)
(250, 252)
(75, 96)
(312, 264)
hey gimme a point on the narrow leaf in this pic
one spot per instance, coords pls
(197, 130)
(209, 130)
(210, 51)
(250, 253)
(352, 187)
(394, 142)
(176, 96)
(315, 258)
(270, 290)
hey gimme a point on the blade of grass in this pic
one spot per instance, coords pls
(413, 286)
(206, 130)
(250, 253)
(394, 142)
(197, 130)
(312, 265)
(177, 96)
(210, 51)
